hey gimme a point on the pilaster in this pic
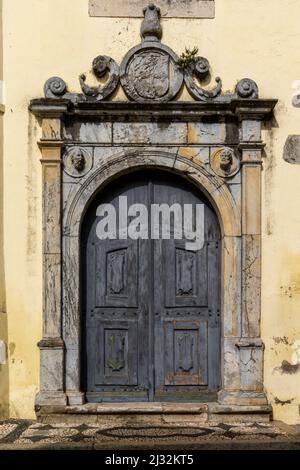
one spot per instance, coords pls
(52, 345)
(250, 345)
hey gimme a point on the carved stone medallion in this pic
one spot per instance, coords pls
(77, 162)
(149, 73)
(224, 162)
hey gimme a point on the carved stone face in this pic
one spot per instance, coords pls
(78, 160)
(225, 160)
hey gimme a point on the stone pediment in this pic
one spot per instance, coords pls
(150, 72)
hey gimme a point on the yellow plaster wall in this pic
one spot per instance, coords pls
(256, 39)
(4, 377)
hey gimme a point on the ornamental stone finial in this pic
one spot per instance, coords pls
(151, 28)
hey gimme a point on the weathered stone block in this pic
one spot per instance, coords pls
(251, 401)
(51, 370)
(147, 155)
(232, 286)
(251, 280)
(88, 132)
(150, 133)
(251, 130)
(75, 398)
(73, 366)
(251, 205)
(236, 191)
(52, 295)
(235, 408)
(206, 133)
(51, 129)
(251, 363)
(291, 151)
(49, 399)
(251, 155)
(231, 363)
(134, 8)
(232, 133)
(197, 155)
(51, 207)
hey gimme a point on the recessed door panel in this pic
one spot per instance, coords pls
(116, 346)
(116, 273)
(186, 354)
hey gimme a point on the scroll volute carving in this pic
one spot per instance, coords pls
(56, 87)
(101, 65)
(199, 69)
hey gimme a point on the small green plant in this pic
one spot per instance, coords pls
(187, 57)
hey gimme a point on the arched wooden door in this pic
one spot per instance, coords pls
(151, 315)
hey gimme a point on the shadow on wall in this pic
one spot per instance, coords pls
(4, 373)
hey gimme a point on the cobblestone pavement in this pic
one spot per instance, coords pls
(25, 434)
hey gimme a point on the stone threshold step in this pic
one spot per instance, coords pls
(124, 414)
(152, 408)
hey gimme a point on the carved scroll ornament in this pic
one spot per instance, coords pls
(149, 72)
(199, 68)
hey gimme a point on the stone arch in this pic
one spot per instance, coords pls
(211, 185)
(230, 223)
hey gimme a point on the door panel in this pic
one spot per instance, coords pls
(186, 305)
(186, 352)
(184, 287)
(116, 346)
(115, 301)
(116, 273)
(151, 307)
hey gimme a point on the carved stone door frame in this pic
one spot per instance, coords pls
(214, 142)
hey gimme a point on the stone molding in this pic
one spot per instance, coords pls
(258, 110)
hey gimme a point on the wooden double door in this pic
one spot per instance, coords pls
(151, 314)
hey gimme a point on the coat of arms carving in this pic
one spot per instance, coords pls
(149, 72)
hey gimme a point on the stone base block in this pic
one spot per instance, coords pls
(238, 414)
(50, 398)
(242, 398)
(75, 398)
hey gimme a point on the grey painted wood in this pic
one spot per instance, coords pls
(150, 307)
(186, 304)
